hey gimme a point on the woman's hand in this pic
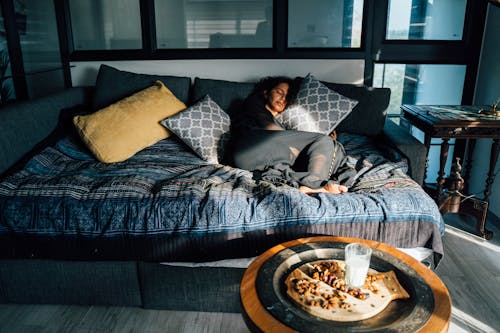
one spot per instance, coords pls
(330, 188)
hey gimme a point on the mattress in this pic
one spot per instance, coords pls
(166, 204)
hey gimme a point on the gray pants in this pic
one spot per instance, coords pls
(293, 157)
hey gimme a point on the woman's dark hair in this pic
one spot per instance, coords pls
(268, 83)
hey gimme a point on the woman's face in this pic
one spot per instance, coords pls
(276, 97)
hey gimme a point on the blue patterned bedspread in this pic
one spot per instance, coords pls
(167, 192)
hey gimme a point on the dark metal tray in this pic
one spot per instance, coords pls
(399, 316)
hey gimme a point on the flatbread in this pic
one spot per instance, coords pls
(319, 288)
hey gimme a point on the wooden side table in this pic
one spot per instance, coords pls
(427, 310)
(459, 122)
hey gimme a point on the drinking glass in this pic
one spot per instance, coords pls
(357, 260)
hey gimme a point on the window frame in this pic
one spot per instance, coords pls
(465, 51)
(150, 51)
(454, 52)
(374, 46)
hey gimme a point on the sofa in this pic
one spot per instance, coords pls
(167, 228)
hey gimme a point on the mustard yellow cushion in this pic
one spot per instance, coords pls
(119, 131)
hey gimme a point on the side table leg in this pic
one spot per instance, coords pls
(471, 144)
(495, 148)
(442, 162)
(427, 144)
(481, 223)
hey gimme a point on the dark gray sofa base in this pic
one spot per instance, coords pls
(139, 284)
(209, 289)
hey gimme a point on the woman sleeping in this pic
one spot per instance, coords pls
(263, 145)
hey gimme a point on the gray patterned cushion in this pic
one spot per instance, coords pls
(317, 108)
(202, 127)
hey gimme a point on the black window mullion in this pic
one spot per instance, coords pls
(369, 29)
(280, 28)
(322, 53)
(473, 36)
(423, 52)
(109, 55)
(377, 14)
(65, 38)
(172, 54)
(148, 25)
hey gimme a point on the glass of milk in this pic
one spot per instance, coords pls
(357, 260)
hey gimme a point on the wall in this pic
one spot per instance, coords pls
(250, 70)
(487, 91)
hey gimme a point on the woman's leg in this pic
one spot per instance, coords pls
(314, 163)
(310, 155)
(260, 149)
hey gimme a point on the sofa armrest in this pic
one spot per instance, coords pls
(416, 152)
(24, 124)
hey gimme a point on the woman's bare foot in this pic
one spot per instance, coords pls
(335, 188)
(308, 190)
(330, 188)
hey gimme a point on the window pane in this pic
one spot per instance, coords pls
(96, 25)
(426, 19)
(37, 30)
(325, 23)
(214, 24)
(420, 84)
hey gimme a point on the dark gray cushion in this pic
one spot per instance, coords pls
(368, 117)
(25, 125)
(227, 94)
(113, 85)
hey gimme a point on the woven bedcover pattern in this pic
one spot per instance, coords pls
(165, 203)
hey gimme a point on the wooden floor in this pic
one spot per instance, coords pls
(470, 270)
